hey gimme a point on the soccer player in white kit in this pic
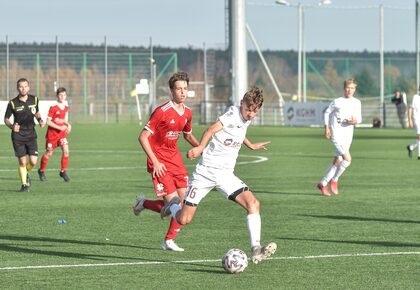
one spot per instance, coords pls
(414, 122)
(339, 120)
(220, 146)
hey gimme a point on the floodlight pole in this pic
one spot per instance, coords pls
(417, 46)
(7, 69)
(300, 34)
(381, 55)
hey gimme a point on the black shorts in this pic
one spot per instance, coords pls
(25, 147)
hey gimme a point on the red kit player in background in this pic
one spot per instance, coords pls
(58, 128)
(159, 140)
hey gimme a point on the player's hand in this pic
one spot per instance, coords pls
(16, 127)
(260, 145)
(68, 129)
(159, 169)
(352, 121)
(194, 152)
(327, 133)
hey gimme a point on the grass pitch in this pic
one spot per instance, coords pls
(367, 237)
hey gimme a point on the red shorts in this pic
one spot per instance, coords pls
(51, 144)
(169, 183)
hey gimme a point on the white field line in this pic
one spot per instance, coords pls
(207, 261)
(258, 159)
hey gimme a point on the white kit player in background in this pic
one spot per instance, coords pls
(219, 147)
(339, 120)
(414, 122)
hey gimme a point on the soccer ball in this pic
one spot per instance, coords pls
(235, 261)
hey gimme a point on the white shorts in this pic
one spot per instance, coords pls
(204, 179)
(341, 147)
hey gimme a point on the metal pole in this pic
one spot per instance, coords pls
(239, 54)
(381, 51)
(7, 69)
(206, 85)
(299, 52)
(152, 89)
(303, 57)
(57, 63)
(106, 81)
(417, 47)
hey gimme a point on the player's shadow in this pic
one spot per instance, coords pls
(361, 219)
(207, 271)
(97, 257)
(370, 243)
(67, 241)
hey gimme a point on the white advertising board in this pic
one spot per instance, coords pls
(304, 114)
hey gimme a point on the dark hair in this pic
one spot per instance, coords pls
(60, 90)
(21, 80)
(254, 96)
(178, 76)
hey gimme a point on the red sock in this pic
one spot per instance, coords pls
(64, 163)
(154, 205)
(44, 161)
(173, 230)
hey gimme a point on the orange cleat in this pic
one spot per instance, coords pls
(324, 189)
(334, 187)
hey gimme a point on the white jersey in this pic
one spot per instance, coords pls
(337, 114)
(223, 148)
(415, 104)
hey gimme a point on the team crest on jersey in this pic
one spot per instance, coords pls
(230, 143)
(159, 187)
(33, 110)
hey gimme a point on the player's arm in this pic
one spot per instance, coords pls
(328, 111)
(190, 138)
(255, 146)
(158, 168)
(51, 124)
(7, 115)
(38, 114)
(213, 129)
(66, 122)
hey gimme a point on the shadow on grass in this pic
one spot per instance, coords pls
(207, 271)
(361, 219)
(370, 243)
(60, 242)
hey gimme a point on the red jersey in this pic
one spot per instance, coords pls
(166, 125)
(57, 116)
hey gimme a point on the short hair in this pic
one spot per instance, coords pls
(21, 80)
(350, 81)
(178, 76)
(254, 96)
(60, 90)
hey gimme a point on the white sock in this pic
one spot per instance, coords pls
(340, 170)
(414, 145)
(253, 222)
(329, 174)
(174, 209)
(418, 147)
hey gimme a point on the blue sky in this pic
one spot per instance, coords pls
(346, 24)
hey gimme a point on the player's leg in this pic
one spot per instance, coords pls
(23, 174)
(50, 145)
(245, 198)
(64, 144)
(237, 191)
(415, 144)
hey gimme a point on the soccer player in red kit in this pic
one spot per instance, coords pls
(159, 141)
(58, 128)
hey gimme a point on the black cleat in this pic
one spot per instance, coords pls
(28, 181)
(24, 188)
(418, 158)
(409, 151)
(42, 176)
(64, 176)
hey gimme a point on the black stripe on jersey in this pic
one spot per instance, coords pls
(233, 196)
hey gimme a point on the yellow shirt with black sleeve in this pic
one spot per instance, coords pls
(23, 114)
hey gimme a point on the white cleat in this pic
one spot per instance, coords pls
(260, 253)
(138, 206)
(171, 246)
